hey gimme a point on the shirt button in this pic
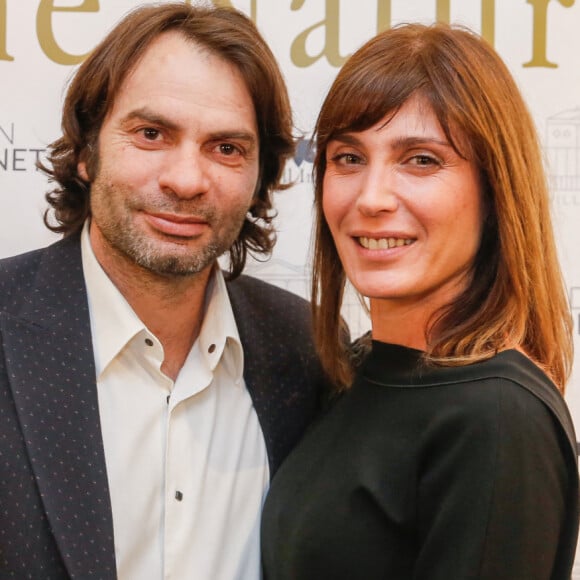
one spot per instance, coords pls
(148, 342)
(211, 348)
(178, 496)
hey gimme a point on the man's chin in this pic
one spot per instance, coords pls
(172, 265)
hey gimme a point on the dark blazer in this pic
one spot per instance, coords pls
(55, 511)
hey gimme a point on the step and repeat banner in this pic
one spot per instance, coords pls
(42, 41)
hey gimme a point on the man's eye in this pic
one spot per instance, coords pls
(150, 134)
(228, 149)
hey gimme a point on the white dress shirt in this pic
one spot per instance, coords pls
(186, 460)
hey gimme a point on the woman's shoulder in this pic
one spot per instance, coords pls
(520, 383)
(517, 393)
(507, 389)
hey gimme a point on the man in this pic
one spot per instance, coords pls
(145, 402)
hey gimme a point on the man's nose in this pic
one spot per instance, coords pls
(185, 172)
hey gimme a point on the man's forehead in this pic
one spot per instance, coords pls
(174, 67)
(167, 43)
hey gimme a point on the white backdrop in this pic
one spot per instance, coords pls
(41, 41)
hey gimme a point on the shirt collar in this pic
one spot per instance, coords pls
(114, 323)
(219, 338)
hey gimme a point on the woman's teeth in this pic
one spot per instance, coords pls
(383, 243)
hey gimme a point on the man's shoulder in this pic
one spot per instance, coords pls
(256, 285)
(263, 310)
(20, 261)
(20, 274)
(34, 257)
(17, 275)
(254, 293)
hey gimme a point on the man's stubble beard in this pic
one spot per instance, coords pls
(160, 257)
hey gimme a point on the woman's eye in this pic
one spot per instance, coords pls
(346, 159)
(424, 160)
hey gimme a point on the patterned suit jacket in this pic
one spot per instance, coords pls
(55, 512)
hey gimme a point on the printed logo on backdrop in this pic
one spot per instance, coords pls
(563, 150)
(17, 155)
(299, 169)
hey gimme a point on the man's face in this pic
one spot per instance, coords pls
(178, 162)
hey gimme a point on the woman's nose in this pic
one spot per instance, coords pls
(378, 191)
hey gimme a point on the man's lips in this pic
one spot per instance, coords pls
(176, 225)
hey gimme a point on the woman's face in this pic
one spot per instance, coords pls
(404, 209)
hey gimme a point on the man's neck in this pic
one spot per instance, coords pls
(171, 307)
(173, 314)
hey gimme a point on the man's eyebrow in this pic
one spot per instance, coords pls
(145, 114)
(249, 137)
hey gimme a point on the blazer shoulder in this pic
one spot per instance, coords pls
(17, 276)
(19, 262)
(273, 323)
(24, 275)
(251, 295)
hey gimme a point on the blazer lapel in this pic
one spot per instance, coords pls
(49, 358)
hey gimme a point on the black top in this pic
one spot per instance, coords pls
(430, 473)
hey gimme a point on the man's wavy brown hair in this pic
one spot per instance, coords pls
(222, 31)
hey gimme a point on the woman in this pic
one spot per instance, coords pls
(452, 455)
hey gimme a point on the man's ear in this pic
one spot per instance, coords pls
(82, 170)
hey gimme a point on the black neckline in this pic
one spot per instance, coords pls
(397, 365)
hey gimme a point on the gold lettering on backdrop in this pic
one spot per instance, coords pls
(45, 31)
(253, 7)
(540, 34)
(298, 53)
(301, 58)
(488, 21)
(443, 14)
(3, 20)
(383, 15)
